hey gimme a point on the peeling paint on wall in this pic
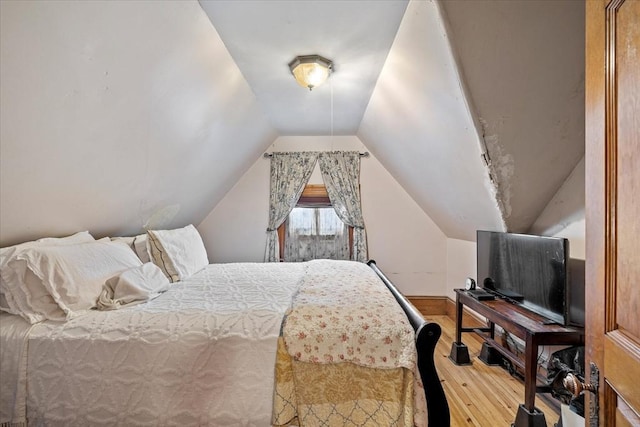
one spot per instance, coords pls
(493, 191)
(501, 168)
(162, 217)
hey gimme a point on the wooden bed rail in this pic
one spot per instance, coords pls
(427, 336)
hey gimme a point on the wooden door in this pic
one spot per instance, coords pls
(613, 207)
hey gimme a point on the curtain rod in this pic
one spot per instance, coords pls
(269, 155)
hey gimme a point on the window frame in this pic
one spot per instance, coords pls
(313, 196)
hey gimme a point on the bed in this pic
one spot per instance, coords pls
(220, 346)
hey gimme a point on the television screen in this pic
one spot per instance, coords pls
(529, 269)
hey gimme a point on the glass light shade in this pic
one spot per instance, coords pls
(310, 71)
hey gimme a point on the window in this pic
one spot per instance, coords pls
(313, 230)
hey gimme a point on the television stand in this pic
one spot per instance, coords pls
(524, 324)
(510, 295)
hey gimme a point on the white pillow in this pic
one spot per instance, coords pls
(140, 246)
(8, 252)
(14, 297)
(179, 253)
(127, 240)
(73, 275)
(33, 301)
(133, 286)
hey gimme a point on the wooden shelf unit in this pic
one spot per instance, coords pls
(534, 329)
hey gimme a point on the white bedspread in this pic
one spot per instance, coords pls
(13, 367)
(202, 353)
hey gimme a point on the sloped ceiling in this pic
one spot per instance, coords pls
(522, 62)
(264, 36)
(477, 111)
(117, 115)
(420, 127)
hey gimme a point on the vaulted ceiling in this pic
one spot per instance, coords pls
(120, 115)
(476, 107)
(264, 36)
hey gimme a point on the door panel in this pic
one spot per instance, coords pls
(613, 206)
(621, 368)
(627, 50)
(625, 417)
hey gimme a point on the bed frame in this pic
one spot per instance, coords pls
(427, 335)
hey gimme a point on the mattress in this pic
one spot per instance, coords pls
(203, 353)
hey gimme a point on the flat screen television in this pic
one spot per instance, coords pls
(534, 271)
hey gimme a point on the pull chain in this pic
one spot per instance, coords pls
(331, 87)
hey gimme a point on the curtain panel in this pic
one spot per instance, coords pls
(289, 174)
(341, 176)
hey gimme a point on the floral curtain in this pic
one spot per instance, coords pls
(341, 176)
(289, 174)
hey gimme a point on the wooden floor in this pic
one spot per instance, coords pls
(479, 395)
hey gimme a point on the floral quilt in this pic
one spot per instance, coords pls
(346, 355)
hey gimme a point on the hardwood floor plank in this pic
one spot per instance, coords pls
(480, 395)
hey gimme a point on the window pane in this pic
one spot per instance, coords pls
(328, 222)
(302, 222)
(315, 233)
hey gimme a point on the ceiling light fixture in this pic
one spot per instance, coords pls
(311, 70)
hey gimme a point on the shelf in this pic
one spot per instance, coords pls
(532, 328)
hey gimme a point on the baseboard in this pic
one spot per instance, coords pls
(430, 305)
(444, 306)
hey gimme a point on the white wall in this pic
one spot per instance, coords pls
(565, 207)
(461, 263)
(575, 232)
(403, 240)
(564, 215)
